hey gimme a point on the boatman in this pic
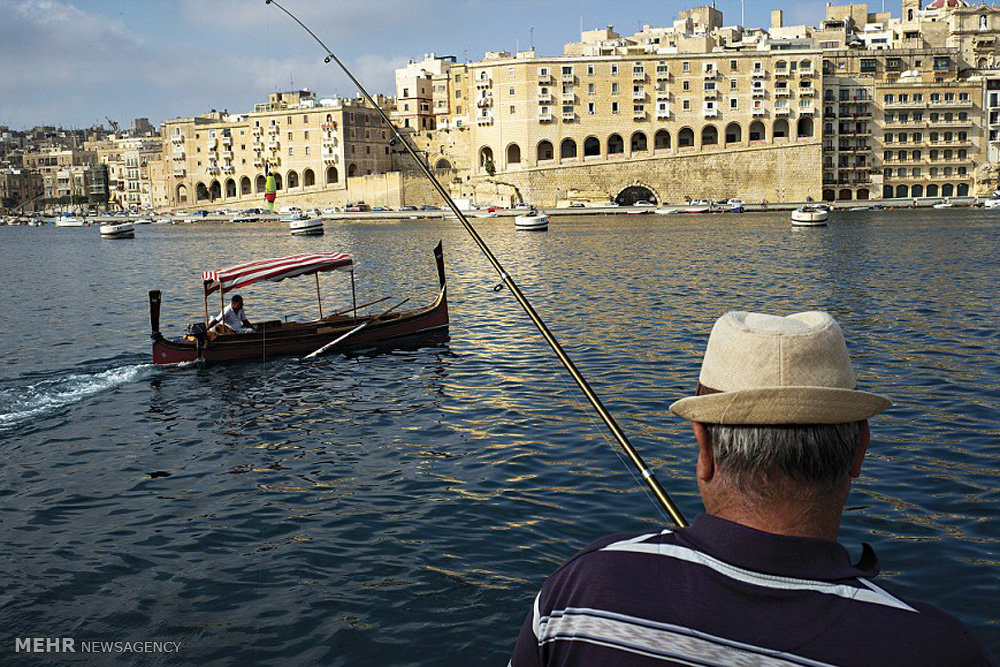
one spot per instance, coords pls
(759, 578)
(233, 317)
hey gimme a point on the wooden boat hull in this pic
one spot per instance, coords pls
(273, 339)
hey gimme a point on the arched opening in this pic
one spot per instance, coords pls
(293, 179)
(230, 187)
(780, 129)
(902, 191)
(442, 165)
(932, 190)
(260, 184)
(661, 139)
(616, 144)
(352, 170)
(963, 190)
(863, 193)
(886, 192)
(638, 142)
(308, 178)
(201, 192)
(757, 131)
(844, 194)
(734, 133)
(544, 151)
(947, 190)
(634, 193)
(513, 154)
(215, 191)
(917, 191)
(709, 136)
(567, 149)
(486, 158)
(591, 146)
(804, 128)
(245, 186)
(828, 195)
(331, 175)
(182, 194)
(685, 138)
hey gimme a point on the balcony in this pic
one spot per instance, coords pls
(759, 74)
(663, 76)
(545, 99)
(545, 118)
(330, 143)
(710, 113)
(257, 131)
(781, 71)
(937, 104)
(638, 115)
(638, 75)
(329, 127)
(484, 119)
(665, 113)
(257, 162)
(568, 117)
(568, 98)
(227, 140)
(759, 111)
(908, 104)
(568, 76)
(807, 92)
(273, 129)
(711, 94)
(711, 74)
(177, 138)
(807, 71)
(274, 145)
(807, 111)
(484, 83)
(213, 170)
(638, 95)
(782, 111)
(759, 92)
(179, 157)
(544, 79)
(782, 92)
(330, 158)
(178, 173)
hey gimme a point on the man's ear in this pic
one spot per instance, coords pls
(859, 454)
(706, 458)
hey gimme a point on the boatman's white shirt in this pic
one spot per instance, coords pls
(233, 319)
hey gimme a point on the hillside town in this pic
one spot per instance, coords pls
(863, 105)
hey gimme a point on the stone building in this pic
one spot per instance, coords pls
(309, 144)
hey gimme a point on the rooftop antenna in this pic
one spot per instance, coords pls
(531, 38)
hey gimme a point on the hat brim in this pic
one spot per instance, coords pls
(781, 405)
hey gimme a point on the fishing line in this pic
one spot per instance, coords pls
(647, 474)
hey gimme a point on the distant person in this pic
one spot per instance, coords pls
(232, 317)
(759, 578)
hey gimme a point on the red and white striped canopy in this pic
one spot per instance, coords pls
(275, 269)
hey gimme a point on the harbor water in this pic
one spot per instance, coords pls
(404, 508)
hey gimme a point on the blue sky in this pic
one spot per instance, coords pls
(72, 63)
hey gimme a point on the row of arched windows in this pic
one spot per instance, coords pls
(662, 139)
(232, 188)
(932, 190)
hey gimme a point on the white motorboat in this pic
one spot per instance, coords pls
(667, 210)
(992, 202)
(118, 230)
(70, 221)
(810, 216)
(697, 206)
(533, 220)
(942, 203)
(144, 221)
(306, 227)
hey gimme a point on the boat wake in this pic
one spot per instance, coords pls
(22, 403)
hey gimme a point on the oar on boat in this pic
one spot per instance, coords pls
(353, 331)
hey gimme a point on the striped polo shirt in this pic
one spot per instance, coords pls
(720, 593)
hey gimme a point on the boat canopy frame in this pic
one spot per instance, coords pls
(276, 269)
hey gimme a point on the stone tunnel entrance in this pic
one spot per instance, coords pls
(634, 193)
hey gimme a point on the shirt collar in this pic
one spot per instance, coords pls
(781, 555)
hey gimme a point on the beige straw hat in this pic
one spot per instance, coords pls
(765, 369)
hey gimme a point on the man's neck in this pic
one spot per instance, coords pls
(792, 519)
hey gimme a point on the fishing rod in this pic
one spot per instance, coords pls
(647, 474)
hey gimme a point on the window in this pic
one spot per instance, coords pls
(307, 150)
(614, 69)
(614, 88)
(686, 105)
(590, 89)
(889, 99)
(963, 97)
(734, 103)
(686, 66)
(510, 91)
(614, 107)
(889, 137)
(733, 65)
(512, 109)
(291, 151)
(590, 70)
(510, 72)
(869, 64)
(567, 70)
(709, 86)
(591, 108)
(686, 85)
(289, 136)
(732, 84)
(307, 134)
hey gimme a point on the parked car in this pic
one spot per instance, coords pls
(735, 203)
(522, 205)
(429, 208)
(407, 208)
(358, 207)
(492, 209)
(381, 208)
(289, 209)
(576, 204)
(643, 202)
(330, 210)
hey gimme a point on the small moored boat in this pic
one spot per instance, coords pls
(533, 220)
(342, 331)
(118, 230)
(992, 202)
(942, 203)
(697, 206)
(70, 221)
(306, 227)
(810, 216)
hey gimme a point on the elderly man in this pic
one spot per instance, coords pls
(759, 579)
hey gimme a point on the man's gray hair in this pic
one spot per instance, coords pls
(817, 456)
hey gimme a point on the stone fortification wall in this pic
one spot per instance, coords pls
(776, 173)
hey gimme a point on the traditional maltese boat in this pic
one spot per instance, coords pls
(343, 331)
